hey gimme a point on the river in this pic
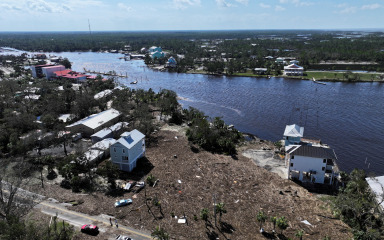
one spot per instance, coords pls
(347, 116)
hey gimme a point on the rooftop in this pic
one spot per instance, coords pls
(129, 139)
(104, 132)
(315, 152)
(377, 184)
(98, 119)
(294, 130)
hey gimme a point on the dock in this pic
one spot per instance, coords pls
(110, 73)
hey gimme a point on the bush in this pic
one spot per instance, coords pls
(213, 136)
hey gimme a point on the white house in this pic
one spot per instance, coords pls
(92, 124)
(293, 70)
(311, 164)
(377, 187)
(293, 134)
(127, 150)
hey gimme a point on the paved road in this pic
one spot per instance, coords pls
(52, 207)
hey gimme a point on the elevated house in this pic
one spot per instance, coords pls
(171, 62)
(156, 52)
(311, 164)
(94, 123)
(293, 70)
(127, 150)
(293, 134)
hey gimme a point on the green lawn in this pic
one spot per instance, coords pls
(341, 76)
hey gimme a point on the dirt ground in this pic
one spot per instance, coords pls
(188, 182)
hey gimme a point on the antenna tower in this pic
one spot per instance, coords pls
(89, 26)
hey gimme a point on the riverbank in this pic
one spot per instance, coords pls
(326, 76)
(187, 180)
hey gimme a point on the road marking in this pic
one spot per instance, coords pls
(96, 220)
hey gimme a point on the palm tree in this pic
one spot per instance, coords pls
(261, 217)
(299, 234)
(160, 234)
(220, 209)
(282, 224)
(204, 214)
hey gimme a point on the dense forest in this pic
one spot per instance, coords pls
(241, 49)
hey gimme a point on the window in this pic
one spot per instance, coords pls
(123, 150)
(124, 158)
(292, 157)
(291, 164)
(114, 149)
(324, 160)
(323, 168)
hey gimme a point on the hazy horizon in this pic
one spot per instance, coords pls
(189, 15)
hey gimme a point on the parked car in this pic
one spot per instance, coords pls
(138, 187)
(76, 137)
(121, 237)
(123, 202)
(90, 229)
(129, 185)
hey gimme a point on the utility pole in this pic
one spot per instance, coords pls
(89, 26)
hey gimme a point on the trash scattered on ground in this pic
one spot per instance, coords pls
(306, 222)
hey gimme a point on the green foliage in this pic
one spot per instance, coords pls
(261, 217)
(356, 206)
(110, 171)
(220, 209)
(204, 214)
(66, 63)
(16, 228)
(151, 180)
(160, 234)
(282, 223)
(213, 136)
(299, 234)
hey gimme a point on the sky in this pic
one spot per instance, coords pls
(146, 15)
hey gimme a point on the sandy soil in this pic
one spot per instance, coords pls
(188, 180)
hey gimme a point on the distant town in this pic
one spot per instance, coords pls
(86, 157)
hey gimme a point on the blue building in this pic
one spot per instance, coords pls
(127, 150)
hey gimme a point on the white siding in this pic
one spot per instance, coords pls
(306, 164)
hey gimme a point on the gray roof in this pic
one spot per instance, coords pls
(294, 131)
(377, 184)
(315, 152)
(97, 120)
(104, 144)
(129, 139)
(105, 131)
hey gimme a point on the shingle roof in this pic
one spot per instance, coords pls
(294, 131)
(315, 152)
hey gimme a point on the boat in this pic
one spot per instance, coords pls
(315, 81)
(134, 82)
